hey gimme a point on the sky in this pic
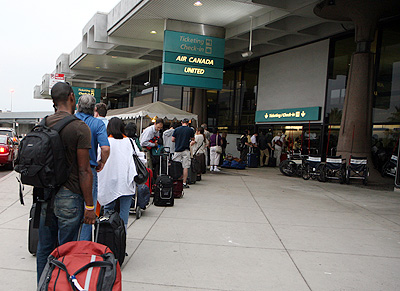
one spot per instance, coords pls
(33, 35)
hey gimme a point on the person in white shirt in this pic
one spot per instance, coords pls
(199, 150)
(277, 143)
(116, 180)
(167, 138)
(148, 139)
(254, 145)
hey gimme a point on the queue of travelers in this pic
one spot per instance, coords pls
(98, 152)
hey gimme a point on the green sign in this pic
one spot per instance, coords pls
(79, 91)
(199, 45)
(290, 114)
(193, 60)
(192, 71)
(191, 81)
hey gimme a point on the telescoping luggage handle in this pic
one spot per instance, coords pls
(166, 154)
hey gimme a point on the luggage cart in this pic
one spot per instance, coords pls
(293, 165)
(357, 169)
(136, 208)
(390, 167)
(334, 168)
(312, 168)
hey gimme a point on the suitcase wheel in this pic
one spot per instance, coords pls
(138, 212)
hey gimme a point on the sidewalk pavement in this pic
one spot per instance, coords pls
(253, 229)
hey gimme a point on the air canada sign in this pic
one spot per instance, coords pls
(193, 60)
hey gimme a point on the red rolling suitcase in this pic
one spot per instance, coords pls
(177, 188)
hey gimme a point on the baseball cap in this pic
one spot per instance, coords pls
(185, 120)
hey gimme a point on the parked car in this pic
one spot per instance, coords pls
(10, 133)
(8, 152)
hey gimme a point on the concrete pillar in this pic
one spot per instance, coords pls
(356, 124)
(199, 103)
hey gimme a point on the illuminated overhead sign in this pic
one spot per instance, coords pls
(290, 114)
(193, 60)
(79, 91)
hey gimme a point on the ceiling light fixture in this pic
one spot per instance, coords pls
(114, 57)
(249, 52)
(153, 32)
(97, 67)
(197, 3)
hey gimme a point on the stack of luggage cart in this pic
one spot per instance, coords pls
(312, 168)
(357, 169)
(333, 169)
(293, 165)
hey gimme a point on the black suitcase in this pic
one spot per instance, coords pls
(272, 160)
(252, 161)
(110, 231)
(175, 170)
(33, 233)
(163, 187)
(193, 170)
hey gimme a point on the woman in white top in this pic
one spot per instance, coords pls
(116, 178)
(199, 149)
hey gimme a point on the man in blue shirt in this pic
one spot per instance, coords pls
(86, 104)
(183, 136)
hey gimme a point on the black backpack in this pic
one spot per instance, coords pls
(41, 159)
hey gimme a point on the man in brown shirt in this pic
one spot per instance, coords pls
(69, 209)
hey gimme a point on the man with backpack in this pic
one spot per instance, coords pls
(69, 209)
(86, 110)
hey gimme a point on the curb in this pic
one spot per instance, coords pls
(7, 176)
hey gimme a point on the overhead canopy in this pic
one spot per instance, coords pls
(151, 110)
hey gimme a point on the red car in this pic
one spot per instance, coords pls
(7, 152)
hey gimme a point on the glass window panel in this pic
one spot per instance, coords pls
(226, 99)
(339, 64)
(387, 100)
(172, 95)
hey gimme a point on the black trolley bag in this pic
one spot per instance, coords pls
(110, 231)
(252, 160)
(33, 233)
(163, 190)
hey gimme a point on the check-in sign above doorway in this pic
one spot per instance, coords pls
(290, 114)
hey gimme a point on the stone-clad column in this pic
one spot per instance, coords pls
(356, 125)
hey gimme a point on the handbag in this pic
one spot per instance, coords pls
(218, 148)
(142, 173)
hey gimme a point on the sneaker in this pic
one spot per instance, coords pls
(217, 170)
(186, 186)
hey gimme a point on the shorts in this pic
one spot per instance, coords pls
(183, 157)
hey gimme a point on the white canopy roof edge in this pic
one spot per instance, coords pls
(159, 109)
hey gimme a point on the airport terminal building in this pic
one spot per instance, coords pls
(250, 64)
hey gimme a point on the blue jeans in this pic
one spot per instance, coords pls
(64, 225)
(124, 206)
(86, 232)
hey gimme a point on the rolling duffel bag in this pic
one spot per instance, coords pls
(81, 265)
